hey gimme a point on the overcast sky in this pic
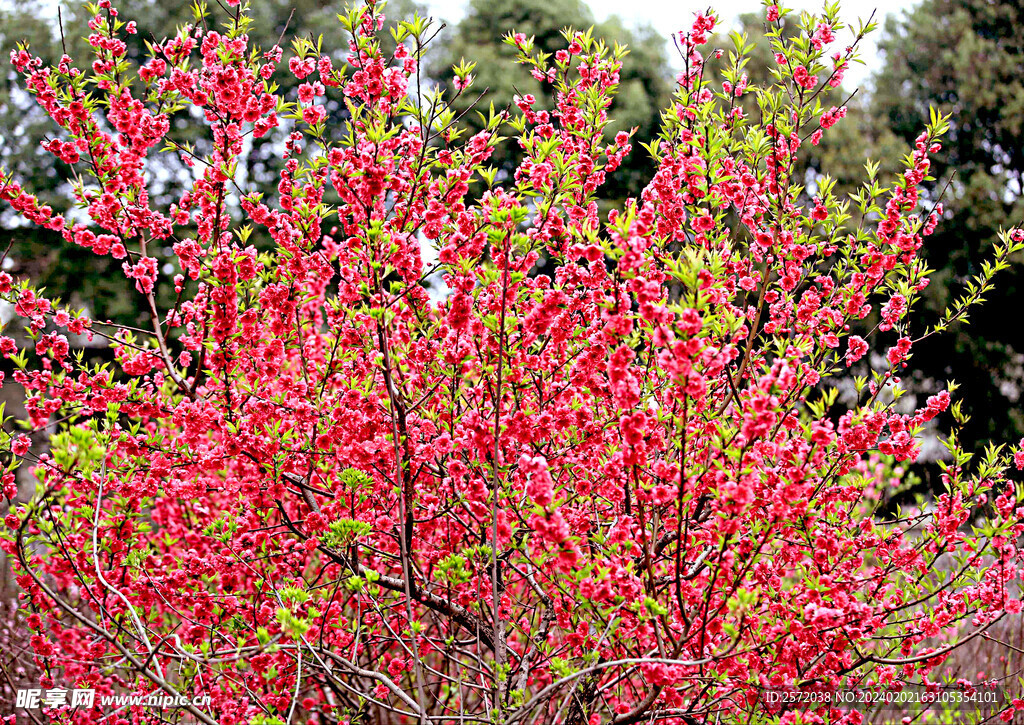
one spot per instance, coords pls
(668, 16)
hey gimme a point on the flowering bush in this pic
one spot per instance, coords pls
(452, 447)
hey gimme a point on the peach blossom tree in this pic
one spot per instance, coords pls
(418, 443)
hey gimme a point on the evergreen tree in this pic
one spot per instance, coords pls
(967, 58)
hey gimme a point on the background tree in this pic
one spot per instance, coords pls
(646, 77)
(967, 58)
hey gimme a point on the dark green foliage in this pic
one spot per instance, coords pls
(967, 58)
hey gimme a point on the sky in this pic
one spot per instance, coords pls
(669, 16)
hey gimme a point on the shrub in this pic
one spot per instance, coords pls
(453, 448)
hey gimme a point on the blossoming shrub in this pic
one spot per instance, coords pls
(602, 477)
